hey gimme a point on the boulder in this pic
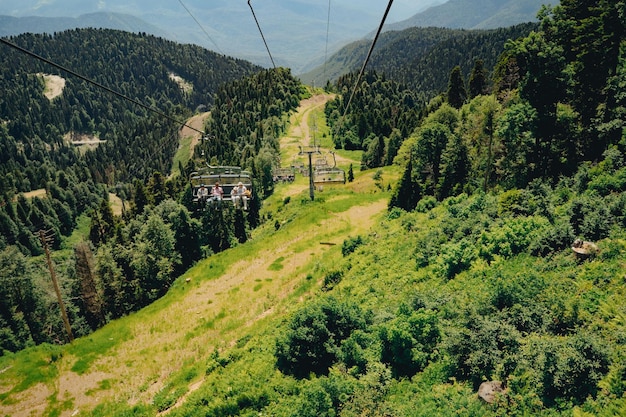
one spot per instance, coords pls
(488, 390)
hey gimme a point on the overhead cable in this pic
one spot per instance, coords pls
(327, 30)
(263, 37)
(369, 54)
(201, 27)
(97, 84)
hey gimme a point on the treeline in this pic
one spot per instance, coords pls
(409, 68)
(381, 114)
(132, 259)
(421, 58)
(35, 132)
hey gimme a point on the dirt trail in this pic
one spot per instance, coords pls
(196, 122)
(212, 315)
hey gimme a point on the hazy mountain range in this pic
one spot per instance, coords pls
(299, 34)
(475, 14)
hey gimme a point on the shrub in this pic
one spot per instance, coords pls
(512, 237)
(426, 204)
(590, 217)
(456, 257)
(350, 245)
(408, 342)
(353, 351)
(311, 342)
(563, 368)
(483, 345)
(331, 279)
(553, 239)
(395, 213)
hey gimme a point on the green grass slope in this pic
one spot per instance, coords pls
(150, 358)
(339, 307)
(453, 294)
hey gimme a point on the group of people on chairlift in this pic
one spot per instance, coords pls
(239, 195)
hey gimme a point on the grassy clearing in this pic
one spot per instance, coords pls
(80, 233)
(183, 155)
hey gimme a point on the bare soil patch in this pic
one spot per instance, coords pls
(41, 192)
(116, 204)
(54, 85)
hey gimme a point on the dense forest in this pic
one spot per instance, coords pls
(421, 57)
(546, 103)
(119, 270)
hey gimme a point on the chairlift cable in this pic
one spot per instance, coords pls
(327, 30)
(263, 37)
(99, 85)
(369, 54)
(201, 27)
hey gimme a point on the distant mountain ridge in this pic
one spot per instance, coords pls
(420, 57)
(13, 26)
(475, 14)
(297, 32)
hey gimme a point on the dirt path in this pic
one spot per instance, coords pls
(196, 122)
(213, 314)
(299, 133)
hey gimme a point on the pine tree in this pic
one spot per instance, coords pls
(478, 79)
(350, 174)
(457, 93)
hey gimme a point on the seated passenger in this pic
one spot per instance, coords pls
(217, 194)
(240, 195)
(203, 193)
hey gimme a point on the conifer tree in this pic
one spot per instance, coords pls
(350, 174)
(456, 93)
(478, 80)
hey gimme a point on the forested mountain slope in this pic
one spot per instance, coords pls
(13, 26)
(140, 67)
(131, 139)
(482, 241)
(420, 58)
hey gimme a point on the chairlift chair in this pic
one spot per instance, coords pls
(227, 176)
(326, 174)
(283, 175)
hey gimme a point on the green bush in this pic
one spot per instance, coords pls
(350, 245)
(485, 348)
(427, 203)
(456, 257)
(562, 368)
(312, 340)
(354, 351)
(331, 279)
(590, 217)
(511, 238)
(409, 341)
(553, 239)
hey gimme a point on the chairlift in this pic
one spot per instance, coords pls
(298, 166)
(283, 175)
(326, 174)
(228, 178)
